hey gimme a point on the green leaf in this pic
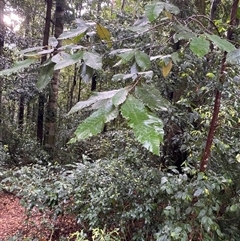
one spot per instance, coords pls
(151, 97)
(91, 126)
(45, 76)
(143, 60)
(160, 57)
(199, 46)
(18, 66)
(233, 57)
(223, 44)
(96, 97)
(92, 60)
(139, 29)
(52, 41)
(152, 11)
(121, 77)
(29, 50)
(127, 56)
(94, 124)
(104, 34)
(73, 33)
(233, 208)
(171, 8)
(147, 128)
(141, 25)
(86, 73)
(183, 34)
(120, 96)
(68, 60)
(146, 74)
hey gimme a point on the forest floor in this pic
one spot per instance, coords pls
(14, 222)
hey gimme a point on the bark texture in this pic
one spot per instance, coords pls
(41, 98)
(52, 106)
(2, 4)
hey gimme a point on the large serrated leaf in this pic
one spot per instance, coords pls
(143, 60)
(111, 114)
(120, 96)
(151, 97)
(199, 46)
(233, 57)
(96, 97)
(68, 60)
(104, 34)
(18, 66)
(91, 126)
(94, 124)
(92, 60)
(29, 50)
(73, 33)
(223, 44)
(147, 128)
(45, 76)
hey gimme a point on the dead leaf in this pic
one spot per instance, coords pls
(166, 69)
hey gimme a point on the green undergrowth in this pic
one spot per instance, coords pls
(141, 201)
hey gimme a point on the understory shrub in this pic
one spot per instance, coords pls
(141, 201)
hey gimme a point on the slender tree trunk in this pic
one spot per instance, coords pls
(79, 89)
(51, 108)
(94, 82)
(2, 4)
(41, 98)
(73, 86)
(21, 112)
(213, 125)
(28, 114)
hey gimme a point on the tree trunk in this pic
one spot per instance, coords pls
(73, 86)
(21, 112)
(51, 108)
(201, 6)
(217, 103)
(2, 4)
(41, 98)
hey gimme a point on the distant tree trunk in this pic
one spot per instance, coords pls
(94, 82)
(73, 86)
(201, 6)
(79, 89)
(28, 114)
(213, 9)
(2, 4)
(51, 108)
(21, 112)
(41, 98)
